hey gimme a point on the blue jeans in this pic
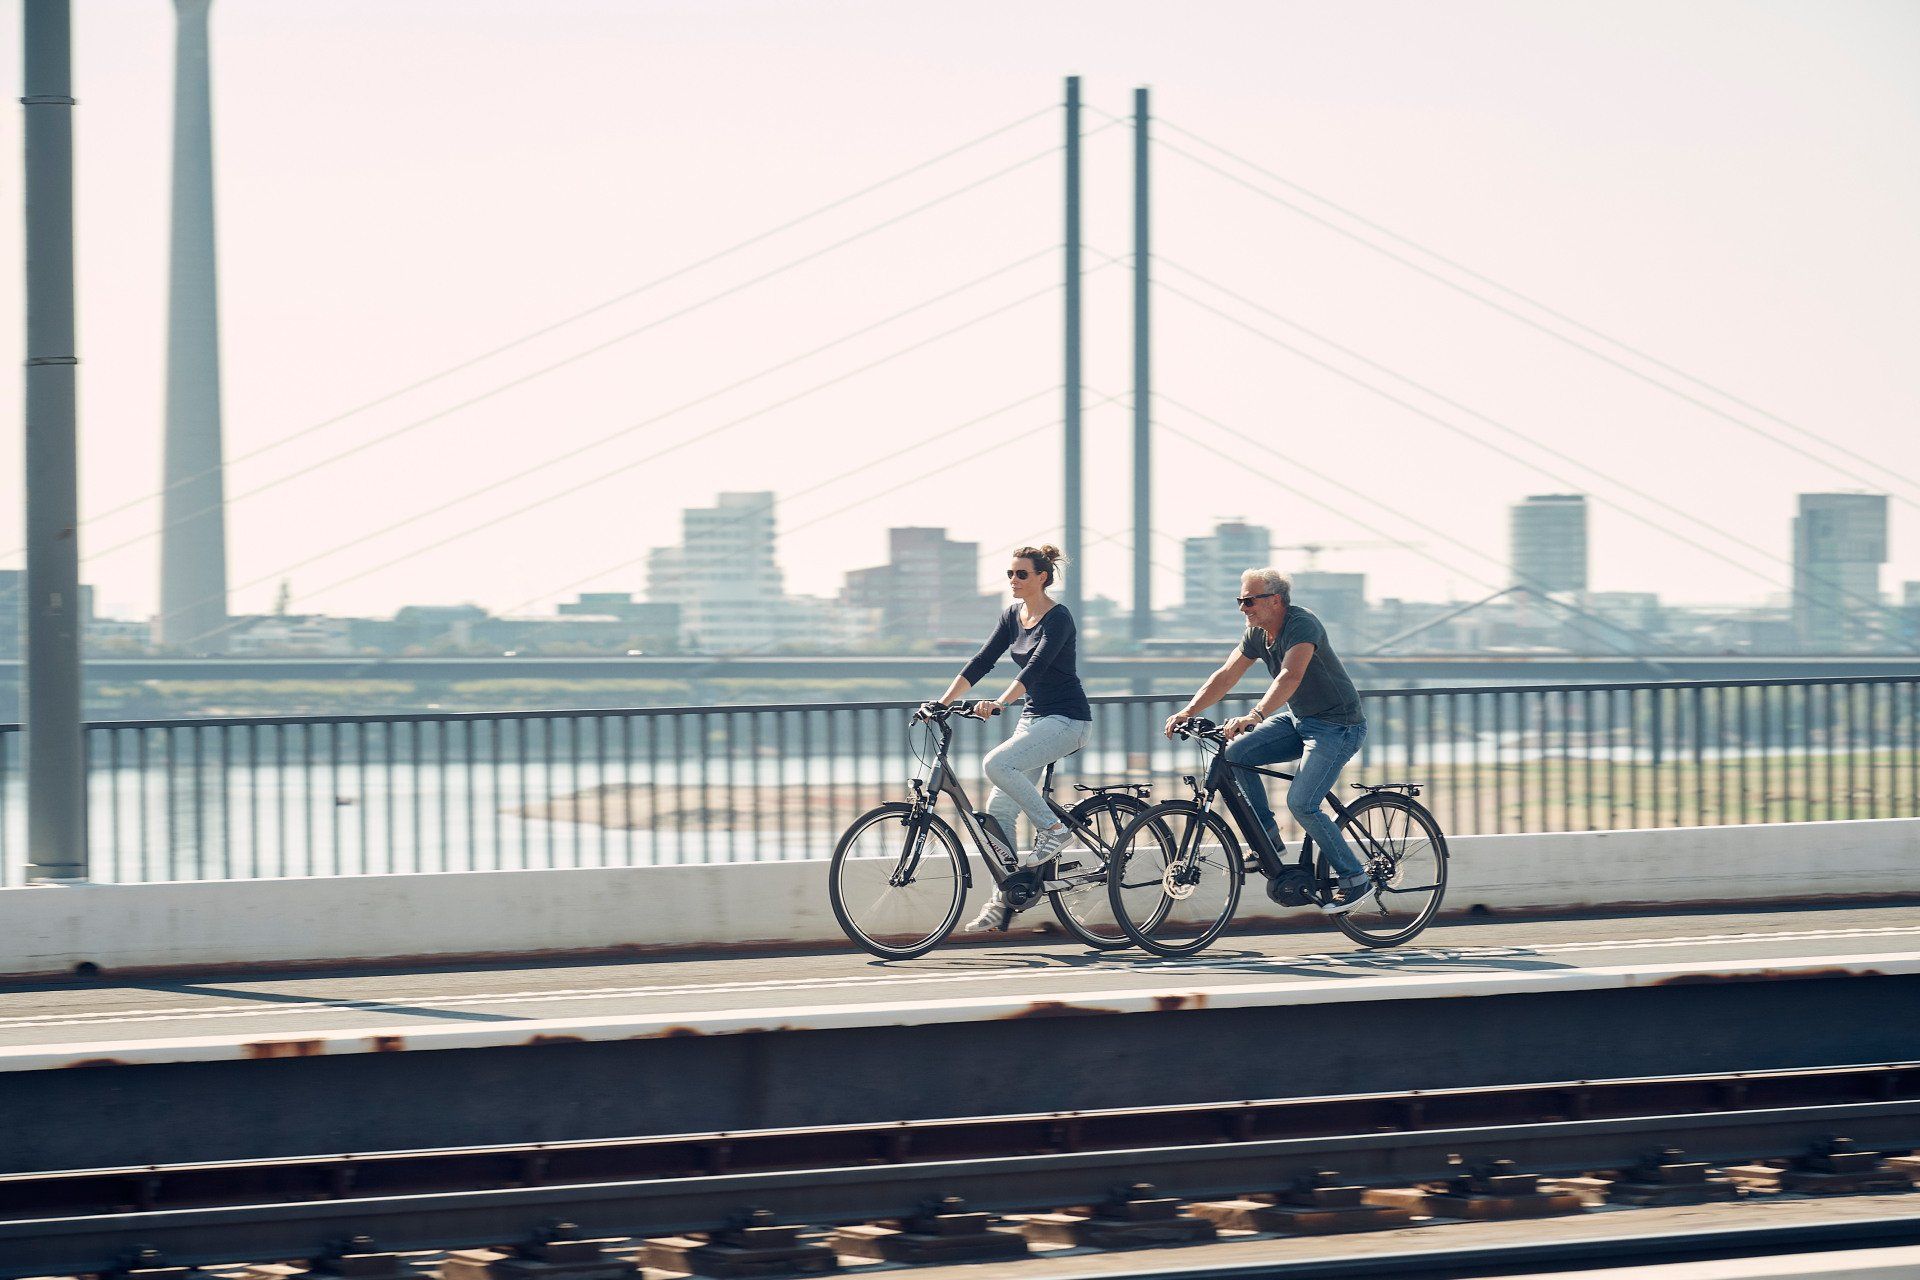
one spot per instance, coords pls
(1323, 749)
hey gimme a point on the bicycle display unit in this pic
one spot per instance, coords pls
(1176, 871)
(899, 877)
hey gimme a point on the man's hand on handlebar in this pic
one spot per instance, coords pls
(1178, 721)
(1238, 725)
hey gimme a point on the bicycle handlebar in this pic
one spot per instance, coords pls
(941, 712)
(1200, 727)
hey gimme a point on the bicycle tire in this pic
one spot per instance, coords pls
(1175, 817)
(940, 841)
(1121, 810)
(1354, 923)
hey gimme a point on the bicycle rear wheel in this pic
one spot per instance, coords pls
(897, 884)
(1174, 879)
(1406, 857)
(1083, 907)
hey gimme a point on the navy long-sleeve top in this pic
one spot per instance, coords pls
(1045, 652)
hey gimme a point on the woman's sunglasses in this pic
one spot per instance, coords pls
(1021, 574)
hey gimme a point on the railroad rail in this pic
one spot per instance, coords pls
(88, 1220)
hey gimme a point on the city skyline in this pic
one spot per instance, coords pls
(1638, 219)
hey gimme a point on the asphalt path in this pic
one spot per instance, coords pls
(1457, 958)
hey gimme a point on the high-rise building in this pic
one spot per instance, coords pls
(722, 575)
(1548, 542)
(1338, 599)
(1212, 564)
(1839, 544)
(929, 589)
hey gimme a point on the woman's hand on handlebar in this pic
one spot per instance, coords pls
(986, 709)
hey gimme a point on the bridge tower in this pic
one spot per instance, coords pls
(193, 540)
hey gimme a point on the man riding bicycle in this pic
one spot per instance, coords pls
(1323, 728)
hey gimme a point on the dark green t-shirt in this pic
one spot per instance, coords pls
(1325, 690)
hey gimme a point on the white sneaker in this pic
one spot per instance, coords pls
(995, 916)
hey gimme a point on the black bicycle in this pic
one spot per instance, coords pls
(1176, 871)
(899, 879)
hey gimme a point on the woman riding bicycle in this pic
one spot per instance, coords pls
(1039, 631)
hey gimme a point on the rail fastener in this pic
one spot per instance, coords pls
(754, 1243)
(945, 1230)
(1497, 1190)
(557, 1251)
(1831, 1166)
(1666, 1177)
(1131, 1217)
(1315, 1204)
(350, 1258)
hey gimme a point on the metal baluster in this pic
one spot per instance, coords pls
(680, 787)
(705, 729)
(1851, 714)
(6, 853)
(626, 784)
(601, 785)
(755, 785)
(653, 789)
(805, 724)
(576, 808)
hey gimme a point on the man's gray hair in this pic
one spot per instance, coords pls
(1271, 580)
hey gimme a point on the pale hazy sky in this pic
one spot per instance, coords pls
(404, 184)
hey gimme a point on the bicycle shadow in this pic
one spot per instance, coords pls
(1229, 963)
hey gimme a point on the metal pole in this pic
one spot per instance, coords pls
(1070, 532)
(1142, 385)
(56, 739)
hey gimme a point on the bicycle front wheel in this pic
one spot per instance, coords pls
(1406, 857)
(1082, 906)
(1174, 879)
(897, 882)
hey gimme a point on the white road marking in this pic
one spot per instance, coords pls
(1227, 965)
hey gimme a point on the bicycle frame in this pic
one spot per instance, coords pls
(942, 781)
(1222, 781)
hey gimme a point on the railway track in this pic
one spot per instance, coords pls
(69, 1222)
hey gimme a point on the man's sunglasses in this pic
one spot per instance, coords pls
(1021, 574)
(1247, 600)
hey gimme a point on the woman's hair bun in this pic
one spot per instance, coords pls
(1046, 557)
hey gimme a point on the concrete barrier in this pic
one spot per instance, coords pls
(51, 930)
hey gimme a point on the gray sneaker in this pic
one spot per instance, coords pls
(994, 917)
(1046, 844)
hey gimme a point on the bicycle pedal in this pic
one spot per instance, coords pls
(1064, 867)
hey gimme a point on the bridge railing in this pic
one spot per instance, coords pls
(439, 791)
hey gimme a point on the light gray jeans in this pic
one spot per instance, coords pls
(1014, 768)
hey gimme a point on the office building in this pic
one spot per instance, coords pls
(928, 590)
(1839, 544)
(1211, 565)
(722, 575)
(1547, 542)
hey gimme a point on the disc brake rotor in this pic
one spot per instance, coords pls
(1176, 888)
